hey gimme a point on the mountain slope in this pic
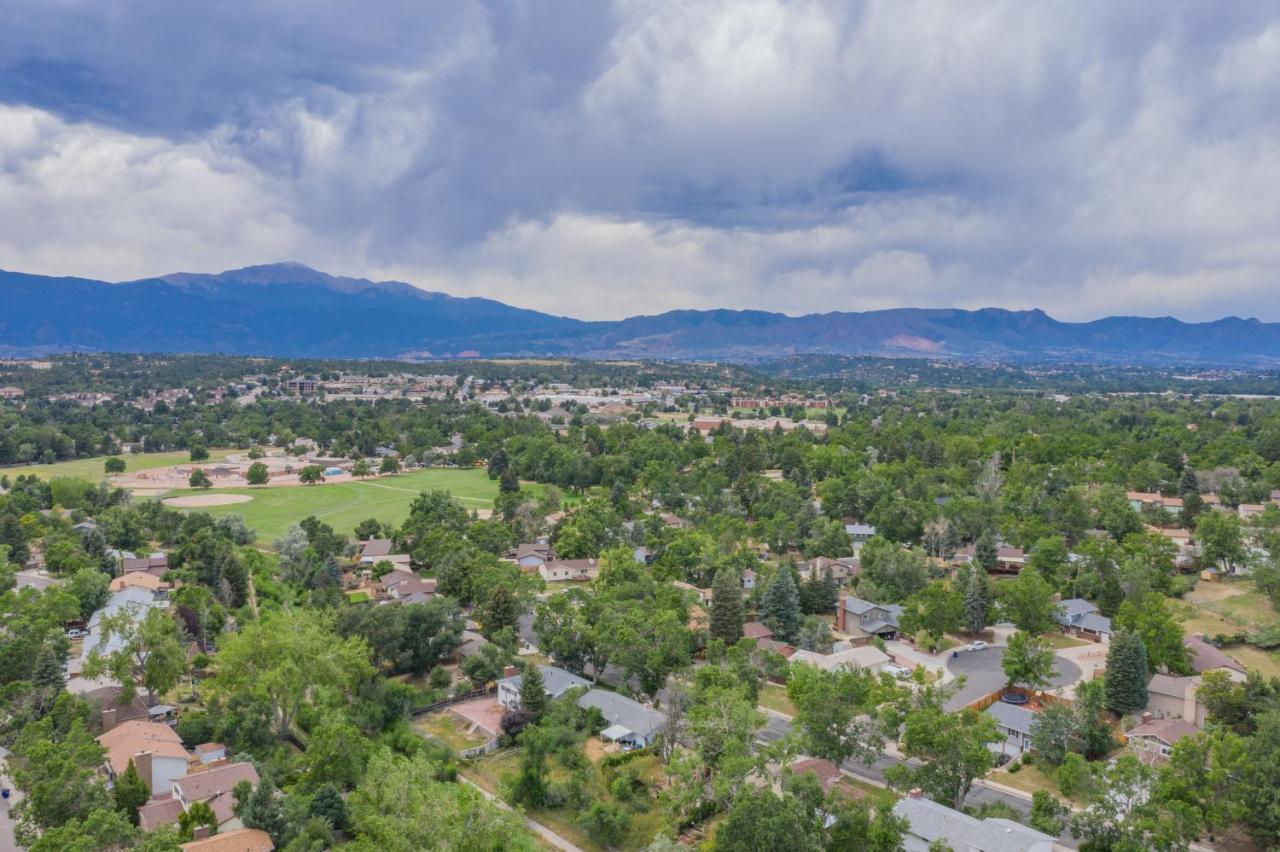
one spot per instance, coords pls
(290, 310)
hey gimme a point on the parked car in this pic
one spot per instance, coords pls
(77, 633)
(897, 670)
(976, 645)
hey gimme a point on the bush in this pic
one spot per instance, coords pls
(1015, 767)
(1073, 774)
(606, 823)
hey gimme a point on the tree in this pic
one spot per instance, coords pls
(130, 792)
(977, 599)
(389, 464)
(1153, 621)
(98, 830)
(953, 748)
(1122, 813)
(763, 820)
(935, 610)
(533, 692)
(508, 483)
(89, 585)
(329, 805)
(407, 803)
(197, 815)
(1052, 731)
(500, 610)
(1028, 661)
(257, 474)
(336, 754)
(199, 479)
(1126, 676)
(150, 651)
(260, 807)
(1204, 772)
(1028, 602)
(1259, 793)
(1221, 539)
(114, 464)
(726, 607)
(985, 552)
(288, 659)
(311, 474)
(362, 469)
(780, 606)
(606, 823)
(833, 712)
(199, 452)
(1047, 813)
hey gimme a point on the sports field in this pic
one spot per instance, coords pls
(91, 469)
(343, 505)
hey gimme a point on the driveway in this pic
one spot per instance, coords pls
(983, 675)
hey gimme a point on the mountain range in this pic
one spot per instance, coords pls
(290, 310)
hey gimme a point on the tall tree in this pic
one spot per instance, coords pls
(834, 712)
(977, 599)
(533, 692)
(1126, 677)
(1028, 661)
(130, 792)
(726, 607)
(780, 606)
(952, 748)
(1028, 602)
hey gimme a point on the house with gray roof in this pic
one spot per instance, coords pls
(931, 823)
(1014, 723)
(861, 618)
(1078, 616)
(555, 681)
(134, 600)
(630, 723)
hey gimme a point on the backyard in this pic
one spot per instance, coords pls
(1232, 606)
(448, 728)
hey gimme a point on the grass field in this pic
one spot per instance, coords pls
(1232, 606)
(775, 698)
(343, 505)
(91, 468)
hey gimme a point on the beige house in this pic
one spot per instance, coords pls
(1153, 740)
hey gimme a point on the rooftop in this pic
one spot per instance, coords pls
(620, 710)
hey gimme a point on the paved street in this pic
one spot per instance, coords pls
(983, 674)
(7, 841)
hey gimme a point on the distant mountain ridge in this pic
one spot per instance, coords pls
(290, 310)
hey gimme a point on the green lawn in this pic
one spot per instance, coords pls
(91, 468)
(450, 730)
(343, 505)
(775, 698)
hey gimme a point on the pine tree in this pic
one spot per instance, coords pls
(48, 671)
(130, 792)
(985, 551)
(726, 607)
(508, 483)
(977, 600)
(780, 607)
(533, 692)
(1126, 678)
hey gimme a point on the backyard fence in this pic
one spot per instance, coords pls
(457, 699)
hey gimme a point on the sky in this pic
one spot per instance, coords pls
(604, 159)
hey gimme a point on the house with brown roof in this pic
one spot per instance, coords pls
(140, 579)
(155, 749)
(569, 570)
(1154, 739)
(211, 785)
(240, 840)
(827, 773)
(374, 550)
(1170, 697)
(1207, 658)
(756, 630)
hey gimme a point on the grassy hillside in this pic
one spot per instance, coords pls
(91, 468)
(343, 505)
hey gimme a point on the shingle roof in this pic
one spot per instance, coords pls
(1073, 608)
(1206, 657)
(1094, 622)
(125, 741)
(240, 840)
(1174, 687)
(1012, 717)
(555, 681)
(620, 710)
(375, 547)
(1168, 731)
(930, 822)
(161, 810)
(199, 786)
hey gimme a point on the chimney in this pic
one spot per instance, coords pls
(1146, 717)
(916, 793)
(108, 719)
(142, 762)
(510, 671)
(200, 832)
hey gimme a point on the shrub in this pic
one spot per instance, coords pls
(606, 823)
(1073, 774)
(1015, 766)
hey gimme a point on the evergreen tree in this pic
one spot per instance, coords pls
(130, 792)
(977, 599)
(508, 483)
(780, 607)
(498, 463)
(533, 692)
(985, 551)
(1111, 595)
(726, 607)
(48, 671)
(1126, 678)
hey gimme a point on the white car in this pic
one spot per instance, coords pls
(897, 670)
(976, 645)
(77, 633)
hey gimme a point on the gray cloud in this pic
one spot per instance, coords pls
(601, 160)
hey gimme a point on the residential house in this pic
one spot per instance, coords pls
(374, 550)
(1248, 510)
(1187, 549)
(704, 595)
(135, 601)
(208, 753)
(1014, 723)
(555, 681)
(756, 630)
(404, 586)
(933, 826)
(841, 569)
(156, 564)
(155, 749)
(569, 570)
(1009, 560)
(858, 533)
(1082, 618)
(631, 724)
(865, 619)
(141, 579)
(1140, 500)
(1207, 658)
(827, 773)
(104, 698)
(1153, 739)
(531, 556)
(748, 580)
(239, 840)
(866, 657)
(212, 785)
(1170, 697)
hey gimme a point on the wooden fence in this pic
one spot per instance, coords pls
(457, 699)
(1044, 699)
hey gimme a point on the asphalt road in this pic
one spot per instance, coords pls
(983, 674)
(7, 841)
